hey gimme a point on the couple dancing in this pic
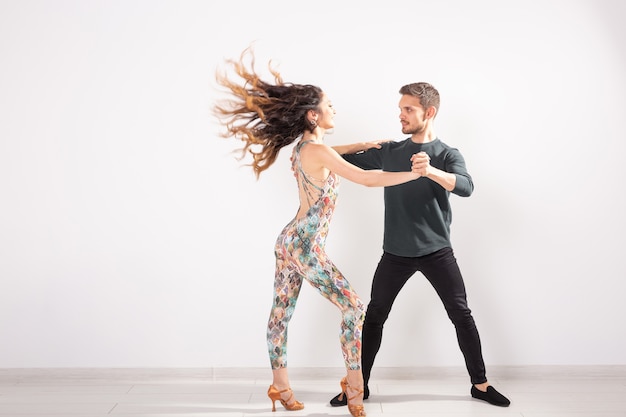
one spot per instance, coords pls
(418, 174)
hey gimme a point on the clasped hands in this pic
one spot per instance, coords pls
(420, 163)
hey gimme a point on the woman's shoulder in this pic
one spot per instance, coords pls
(312, 147)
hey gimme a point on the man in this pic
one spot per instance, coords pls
(417, 233)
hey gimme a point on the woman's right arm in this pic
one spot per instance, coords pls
(330, 159)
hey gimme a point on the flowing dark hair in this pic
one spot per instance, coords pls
(265, 116)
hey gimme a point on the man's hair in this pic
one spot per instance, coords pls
(428, 95)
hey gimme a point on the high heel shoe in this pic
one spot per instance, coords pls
(275, 395)
(355, 410)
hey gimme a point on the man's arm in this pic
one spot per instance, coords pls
(358, 147)
(459, 183)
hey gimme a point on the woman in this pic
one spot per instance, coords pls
(267, 117)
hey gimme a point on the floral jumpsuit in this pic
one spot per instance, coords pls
(300, 255)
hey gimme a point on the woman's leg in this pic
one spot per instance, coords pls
(286, 290)
(330, 282)
(287, 285)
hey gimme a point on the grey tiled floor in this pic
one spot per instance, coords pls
(573, 391)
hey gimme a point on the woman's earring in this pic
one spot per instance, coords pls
(313, 123)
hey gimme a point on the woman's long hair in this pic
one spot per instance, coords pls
(265, 116)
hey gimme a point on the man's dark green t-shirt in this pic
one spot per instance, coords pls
(417, 213)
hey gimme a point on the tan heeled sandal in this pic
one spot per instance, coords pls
(275, 395)
(355, 410)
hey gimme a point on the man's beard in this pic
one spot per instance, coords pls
(408, 131)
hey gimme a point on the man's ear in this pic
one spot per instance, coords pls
(431, 112)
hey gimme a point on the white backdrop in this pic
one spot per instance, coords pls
(131, 236)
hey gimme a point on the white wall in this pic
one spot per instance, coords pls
(130, 236)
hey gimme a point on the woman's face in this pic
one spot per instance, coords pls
(326, 113)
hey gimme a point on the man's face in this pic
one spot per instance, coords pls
(412, 115)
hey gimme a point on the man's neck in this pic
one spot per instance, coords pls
(424, 137)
